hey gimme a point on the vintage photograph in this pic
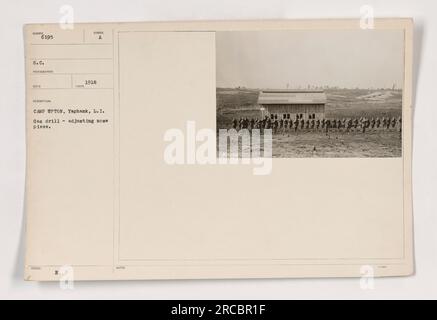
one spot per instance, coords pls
(322, 93)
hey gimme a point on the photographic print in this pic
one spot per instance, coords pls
(322, 93)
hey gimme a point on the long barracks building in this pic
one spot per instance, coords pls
(292, 104)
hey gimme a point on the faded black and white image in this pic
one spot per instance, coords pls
(323, 93)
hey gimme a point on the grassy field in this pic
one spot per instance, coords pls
(342, 103)
(337, 145)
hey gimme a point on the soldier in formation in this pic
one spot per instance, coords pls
(362, 124)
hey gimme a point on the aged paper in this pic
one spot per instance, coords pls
(126, 179)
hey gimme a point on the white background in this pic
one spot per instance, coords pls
(12, 147)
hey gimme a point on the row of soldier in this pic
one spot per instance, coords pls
(347, 124)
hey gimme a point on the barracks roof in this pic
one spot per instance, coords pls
(267, 97)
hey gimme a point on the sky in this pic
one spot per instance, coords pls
(296, 59)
